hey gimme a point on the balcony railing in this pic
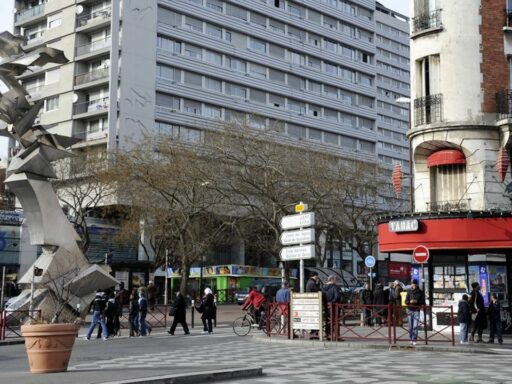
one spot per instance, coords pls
(426, 21)
(100, 14)
(428, 109)
(504, 104)
(29, 13)
(93, 46)
(97, 74)
(96, 105)
(449, 205)
(87, 135)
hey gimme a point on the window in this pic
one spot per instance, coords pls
(296, 33)
(258, 96)
(193, 51)
(51, 104)
(330, 115)
(213, 58)
(331, 138)
(276, 101)
(276, 26)
(52, 76)
(314, 134)
(313, 86)
(330, 22)
(296, 82)
(236, 64)
(296, 10)
(314, 110)
(367, 146)
(190, 134)
(258, 45)
(213, 84)
(276, 51)
(193, 24)
(331, 69)
(214, 31)
(236, 90)
(258, 122)
(448, 183)
(296, 106)
(348, 142)
(54, 21)
(276, 75)
(330, 45)
(296, 58)
(296, 131)
(167, 101)
(233, 10)
(212, 111)
(193, 79)
(216, 5)
(314, 39)
(169, 17)
(314, 16)
(168, 44)
(314, 63)
(192, 106)
(258, 20)
(258, 70)
(330, 91)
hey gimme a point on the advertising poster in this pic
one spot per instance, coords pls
(497, 278)
(484, 284)
(400, 271)
(416, 273)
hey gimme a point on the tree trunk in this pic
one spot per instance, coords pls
(184, 278)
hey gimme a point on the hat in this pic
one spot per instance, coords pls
(414, 281)
(474, 285)
(207, 291)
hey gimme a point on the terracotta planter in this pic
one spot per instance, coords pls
(49, 346)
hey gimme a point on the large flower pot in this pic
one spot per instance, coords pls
(49, 346)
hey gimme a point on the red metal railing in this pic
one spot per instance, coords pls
(278, 319)
(11, 322)
(361, 322)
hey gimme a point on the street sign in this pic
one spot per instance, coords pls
(301, 207)
(420, 254)
(298, 252)
(306, 311)
(298, 221)
(369, 261)
(302, 236)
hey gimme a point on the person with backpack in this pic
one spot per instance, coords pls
(144, 328)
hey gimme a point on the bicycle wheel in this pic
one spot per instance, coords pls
(242, 326)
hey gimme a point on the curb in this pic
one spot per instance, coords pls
(388, 347)
(191, 378)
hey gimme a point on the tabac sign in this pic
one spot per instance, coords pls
(407, 225)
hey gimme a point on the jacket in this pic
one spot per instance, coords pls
(366, 296)
(494, 312)
(378, 295)
(283, 295)
(476, 302)
(180, 304)
(255, 298)
(143, 304)
(312, 286)
(331, 293)
(464, 313)
(134, 307)
(415, 299)
(398, 295)
(208, 305)
(99, 303)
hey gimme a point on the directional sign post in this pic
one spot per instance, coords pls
(298, 221)
(302, 236)
(369, 261)
(299, 252)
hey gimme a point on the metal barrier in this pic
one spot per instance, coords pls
(11, 322)
(360, 322)
(278, 319)
(156, 317)
(427, 316)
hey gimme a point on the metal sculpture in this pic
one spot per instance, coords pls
(28, 177)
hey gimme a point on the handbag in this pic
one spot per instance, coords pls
(199, 306)
(172, 310)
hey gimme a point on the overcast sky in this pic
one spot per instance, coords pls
(400, 6)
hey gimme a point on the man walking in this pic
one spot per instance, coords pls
(476, 303)
(494, 312)
(331, 296)
(98, 315)
(414, 300)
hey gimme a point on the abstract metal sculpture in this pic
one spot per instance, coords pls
(28, 178)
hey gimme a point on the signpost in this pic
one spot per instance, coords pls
(306, 312)
(369, 261)
(420, 255)
(301, 239)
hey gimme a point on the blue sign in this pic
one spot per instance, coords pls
(484, 284)
(369, 261)
(416, 273)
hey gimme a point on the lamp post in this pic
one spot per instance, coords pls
(407, 100)
(281, 267)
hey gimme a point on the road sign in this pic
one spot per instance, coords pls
(369, 261)
(306, 311)
(298, 221)
(301, 207)
(420, 254)
(297, 253)
(302, 236)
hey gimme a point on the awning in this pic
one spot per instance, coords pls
(446, 157)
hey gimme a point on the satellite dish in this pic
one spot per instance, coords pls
(79, 9)
(74, 98)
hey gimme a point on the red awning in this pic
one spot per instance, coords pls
(446, 157)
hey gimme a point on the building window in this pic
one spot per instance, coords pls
(51, 104)
(258, 45)
(448, 184)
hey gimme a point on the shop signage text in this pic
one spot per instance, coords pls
(409, 225)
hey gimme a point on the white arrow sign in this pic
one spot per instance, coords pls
(298, 253)
(303, 236)
(298, 221)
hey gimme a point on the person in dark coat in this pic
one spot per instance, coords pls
(180, 314)
(464, 315)
(477, 305)
(330, 295)
(366, 299)
(208, 305)
(133, 315)
(398, 310)
(313, 283)
(378, 299)
(112, 315)
(494, 313)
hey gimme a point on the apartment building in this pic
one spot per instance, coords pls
(325, 72)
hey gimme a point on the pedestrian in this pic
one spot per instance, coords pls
(398, 311)
(477, 307)
(133, 316)
(283, 294)
(144, 328)
(98, 315)
(208, 306)
(378, 302)
(313, 283)
(112, 315)
(151, 295)
(464, 316)
(330, 296)
(366, 299)
(494, 313)
(180, 314)
(414, 300)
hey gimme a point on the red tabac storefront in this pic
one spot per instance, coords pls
(464, 247)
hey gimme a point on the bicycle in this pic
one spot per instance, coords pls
(243, 325)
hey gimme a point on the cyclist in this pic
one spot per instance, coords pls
(256, 302)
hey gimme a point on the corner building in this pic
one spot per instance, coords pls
(460, 140)
(324, 73)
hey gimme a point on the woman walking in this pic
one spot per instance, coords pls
(208, 311)
(180, 314)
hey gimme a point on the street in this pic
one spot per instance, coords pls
(99, 361)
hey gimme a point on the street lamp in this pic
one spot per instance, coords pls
(407, 100)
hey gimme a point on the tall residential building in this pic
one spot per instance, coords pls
(327, 72)
(461, 143)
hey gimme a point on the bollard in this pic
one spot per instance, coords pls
(215, 304)
(192, 315)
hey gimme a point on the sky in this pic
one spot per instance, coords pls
(400, 6)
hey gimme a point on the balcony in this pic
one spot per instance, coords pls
(449, 205)
(88, 135)
(29, 13)
(504, 104)
(93, 46)
(97, 74)
(99, 15)
(97, 105)
(428, 109)
(427, 21)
